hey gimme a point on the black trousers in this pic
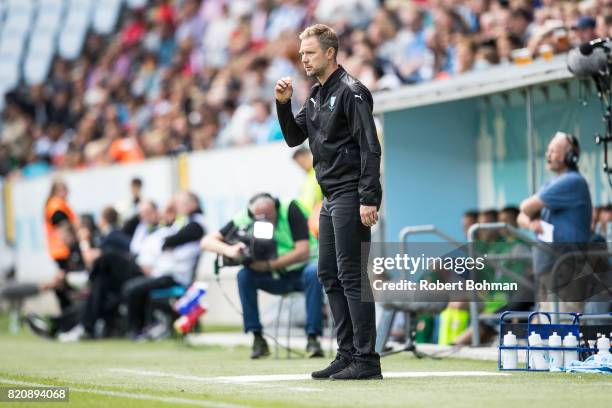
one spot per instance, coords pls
(340, 236)
(64, 292)
(136, 294)
(109, 274)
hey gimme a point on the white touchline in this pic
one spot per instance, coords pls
(123, 394)
(240, 379)
(249, 379)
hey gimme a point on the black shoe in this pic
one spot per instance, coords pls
(260, 348)
(358, 370)
(339, 364)
(39, 326)
(313, 348)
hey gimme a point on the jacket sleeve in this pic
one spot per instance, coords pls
(189, 233)
(358, 107)
(129, 228)
(294, 128)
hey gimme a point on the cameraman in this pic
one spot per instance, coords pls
(288, 271)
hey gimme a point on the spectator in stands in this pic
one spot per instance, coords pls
(413, 59)
(520, 24)
(262, 127)
(487, 217)
(602, 223)
(507, 271)
(453, 328)
(486, 56)
(604, 25)
(508, 215)
(15, 133)
(595, 219)
(126, 148)
(585, 29)
(465, 55)
(289, 271)
(454, 318)
(469, 218)
(562, 205)
(73, 158)
(174, 60)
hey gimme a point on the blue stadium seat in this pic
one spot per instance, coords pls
(171, 292)
(136, 4)
(49, 17)
(106, 15)
(74, 29)
(9, 74)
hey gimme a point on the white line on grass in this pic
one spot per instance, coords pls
(248, 379)
(139, 396)
(224, 380)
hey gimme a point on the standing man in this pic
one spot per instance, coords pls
(337, 120)
(563, 202)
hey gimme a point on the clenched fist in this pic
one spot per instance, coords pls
(283, 90)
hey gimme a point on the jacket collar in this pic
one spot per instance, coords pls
(334, 77)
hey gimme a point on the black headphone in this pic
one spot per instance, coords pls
(573, 155)
(257, 197)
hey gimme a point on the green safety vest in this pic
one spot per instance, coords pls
(282, 232)
(310, 193)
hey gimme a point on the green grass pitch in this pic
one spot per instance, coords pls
(117, 373)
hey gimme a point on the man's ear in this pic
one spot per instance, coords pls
(331, 53)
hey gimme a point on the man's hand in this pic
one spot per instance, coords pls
(535, 226)
(235, 251)
(283, 90)
(368, 214)
(56, 282)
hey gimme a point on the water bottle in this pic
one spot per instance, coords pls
(191, 298)
(186, 322)
(570, 355)
(603, 346)
(555, 357)
(509, 357)
(584, 345)
(539, 358)
(592, 344)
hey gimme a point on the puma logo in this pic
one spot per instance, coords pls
(359, 97)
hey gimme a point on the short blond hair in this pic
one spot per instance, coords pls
(326, 35)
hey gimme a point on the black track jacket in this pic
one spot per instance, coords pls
(337, 119)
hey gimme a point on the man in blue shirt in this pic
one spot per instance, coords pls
(564, 202)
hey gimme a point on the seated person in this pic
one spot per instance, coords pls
(289, 271)
(142, 224)
(85, 253)
(496, 302)
(167, 258)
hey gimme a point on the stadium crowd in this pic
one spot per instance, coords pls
(188, 75)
